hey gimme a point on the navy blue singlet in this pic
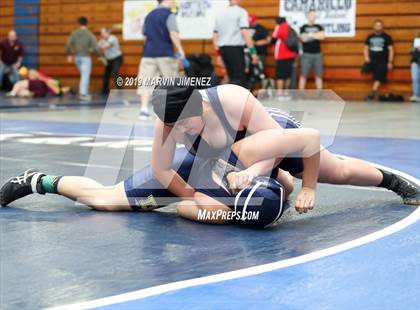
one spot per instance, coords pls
(145, 192)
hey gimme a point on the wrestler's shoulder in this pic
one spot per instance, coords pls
(231, 95)
(227, 88)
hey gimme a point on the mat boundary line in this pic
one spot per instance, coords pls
(250, 271)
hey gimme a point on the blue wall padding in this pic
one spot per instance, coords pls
(26, 24)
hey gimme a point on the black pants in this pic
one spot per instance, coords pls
(111, 69)
(234, 59)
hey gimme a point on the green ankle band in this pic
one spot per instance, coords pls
(49, 183)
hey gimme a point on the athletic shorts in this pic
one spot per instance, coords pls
(145, 193)
(284, 68)
(152, 67)
(379, 70)
(311, 61)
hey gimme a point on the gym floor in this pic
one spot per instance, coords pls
(359, 248)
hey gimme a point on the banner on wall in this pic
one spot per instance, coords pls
(195, 18)
(338, 17)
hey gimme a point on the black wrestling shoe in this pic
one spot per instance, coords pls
(403, 188)
(21, 186)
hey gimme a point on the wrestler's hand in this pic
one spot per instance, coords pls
(241, 179)
(305, 200)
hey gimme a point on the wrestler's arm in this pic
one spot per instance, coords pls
(191, 209)
(283, 177)
(163, 149)
(238, 180)
(255, 119)
(288, 141)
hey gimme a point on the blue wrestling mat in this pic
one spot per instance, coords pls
(360, 247)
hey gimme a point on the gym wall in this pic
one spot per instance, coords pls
(343, 56)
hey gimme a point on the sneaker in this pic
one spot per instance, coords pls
(284, 98)
(144, 116)
(414, 99)
(21, 186)
(10, 94)
(85, 98)
(403, 188)
(370, 97)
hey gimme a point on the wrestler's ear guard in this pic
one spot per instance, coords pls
(261, 203)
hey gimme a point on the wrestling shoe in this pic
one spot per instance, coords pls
(24, 184)
(407, 191)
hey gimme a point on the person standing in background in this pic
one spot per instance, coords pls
(11, 50)
(284, 56)
(260, 36)
(311, 34)
(82, 42)
(415, 70)
(111, 48)
(230, 36)
(379, 53)
(161, 35)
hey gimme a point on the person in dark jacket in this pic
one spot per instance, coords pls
(11, 55)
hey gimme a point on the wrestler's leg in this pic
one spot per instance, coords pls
(19, 87)
(331, 169)
(141, 191)
(357, 172)
(81, 189)
(203, 205)
(94, 194)
(259, 146)
(285, 179)
(347, 171)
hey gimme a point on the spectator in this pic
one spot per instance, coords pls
(161, 35)
(311, 34)
(379, 53)
(260, 36)
(284, 56)
(415, 70)
(229, 38)
(82, 42)
(261, 39)
(11, 50)
(111, 48)
(33, 86)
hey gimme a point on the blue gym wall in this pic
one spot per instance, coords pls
(26, 24)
